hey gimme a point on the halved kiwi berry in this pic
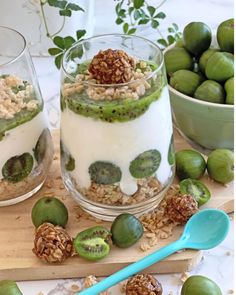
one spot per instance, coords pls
(104, 172)
(93, 243)
(146, 164)
(196, 189)
(17, 168)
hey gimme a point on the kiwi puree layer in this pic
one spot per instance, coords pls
(112, 111)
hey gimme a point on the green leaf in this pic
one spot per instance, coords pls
(131, 31)
(154, 24)
(77, 52)
(125, 27)
(138, 3)
(143, 21)
(175, 26)
(151, 10)
(171, 30)
(57, 3)
(137, 15)
(162, 42)
(119, 21)
(65, 12)
(122, 13)
(68, 41)
(73, 6)
(160, 15)
(170, 39)
(58, 61)
(54, 51)
(80, 34)
(130, 10)
(59, 42)
(118, 7)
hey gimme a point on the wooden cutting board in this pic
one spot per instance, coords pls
(17, 261)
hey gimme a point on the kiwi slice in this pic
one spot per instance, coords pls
(18, 167)
(145, 164)
(67, 160)
(104, 172)
(70, 164)
(41, 145)
(93, 243)
(171, 152)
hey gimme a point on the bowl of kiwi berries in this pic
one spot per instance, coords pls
(200, 69)
(116, 129)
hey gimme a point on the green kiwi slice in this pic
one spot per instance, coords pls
(41, 145)
(145, 164)
(93, 243)
(104, 172)
(18, 167)
(171, 152)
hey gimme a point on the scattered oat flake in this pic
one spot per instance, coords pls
(75, 288)
(231, 291)
(184, 276)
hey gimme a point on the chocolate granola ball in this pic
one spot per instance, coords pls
(143, 284)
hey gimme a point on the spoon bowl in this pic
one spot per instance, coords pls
(206, 229)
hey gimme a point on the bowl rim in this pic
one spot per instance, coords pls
(192, 99)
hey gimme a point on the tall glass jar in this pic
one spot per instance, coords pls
(116, 129)
(26, 148)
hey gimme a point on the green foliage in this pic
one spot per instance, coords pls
(64, 43)
(172, 37)
(134, 14)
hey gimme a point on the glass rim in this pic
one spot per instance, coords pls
(21, 52)
(88, 83)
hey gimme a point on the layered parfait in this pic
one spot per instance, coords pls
(26, 149)
(116, 130)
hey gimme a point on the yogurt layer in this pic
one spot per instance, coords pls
(21, 139)
(89, 140)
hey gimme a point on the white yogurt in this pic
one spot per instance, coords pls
(21, 139)
(89, 140)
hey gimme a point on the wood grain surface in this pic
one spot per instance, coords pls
(17, 261)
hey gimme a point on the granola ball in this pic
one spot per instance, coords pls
(112, 67)
(52, 243)
(180, 208)
(143, 284)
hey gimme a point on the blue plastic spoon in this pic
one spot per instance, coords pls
(204, 230)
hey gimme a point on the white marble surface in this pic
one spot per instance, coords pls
(217, 263)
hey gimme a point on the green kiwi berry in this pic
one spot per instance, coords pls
(49, 209)
(145, 164)
(210, 91)
(17, 168)
(126, 230)
(189, 164)
(104, 172)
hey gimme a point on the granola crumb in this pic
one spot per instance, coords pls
(231, 291)
(75, 288)
(91, 280)
(15, 96)
(112, 194)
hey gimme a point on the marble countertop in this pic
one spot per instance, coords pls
(217, 263)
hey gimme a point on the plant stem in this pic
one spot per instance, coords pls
(159, 32)
(61, 28)
(45, 21)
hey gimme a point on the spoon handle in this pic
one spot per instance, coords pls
(133, 268)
